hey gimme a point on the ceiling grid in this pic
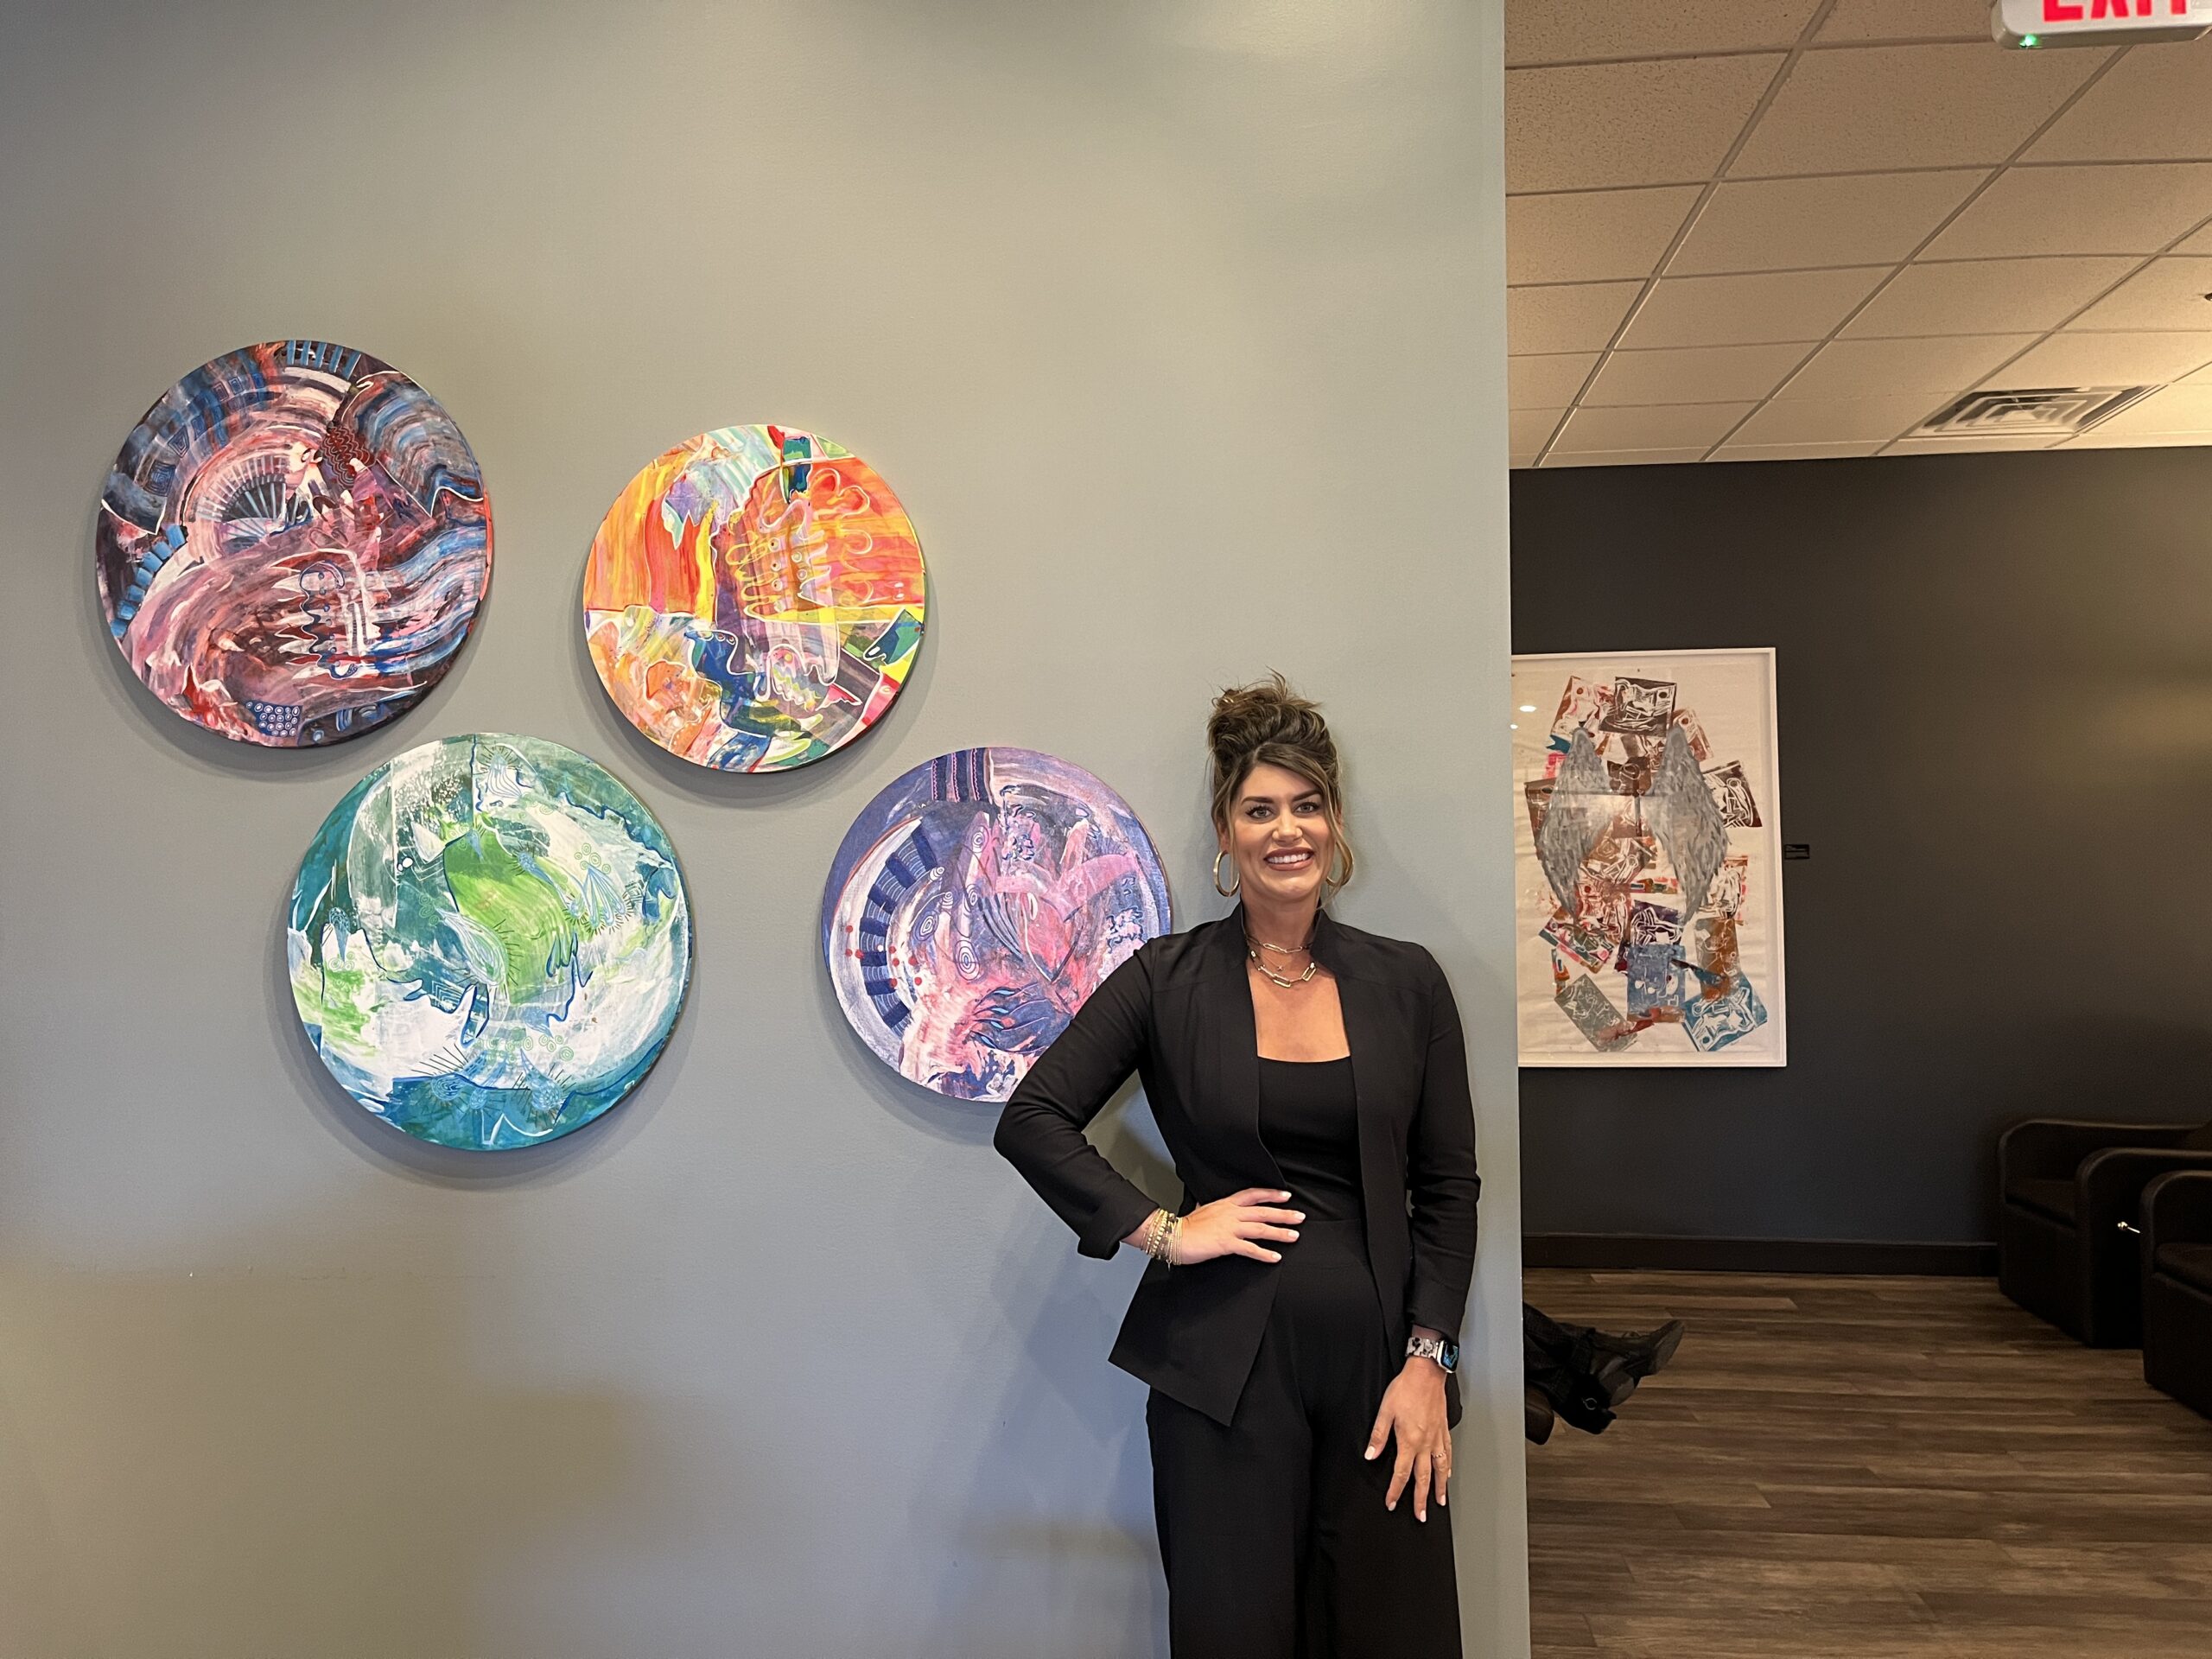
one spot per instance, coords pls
(1749, 229)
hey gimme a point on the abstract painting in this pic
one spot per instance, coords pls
(754, 599)
(1648, 876)
(973, 906)
(489, 940)
(293, 544)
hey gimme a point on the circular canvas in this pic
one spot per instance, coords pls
(293, 544)
(489, 940)
(754, 599)
(973, 906)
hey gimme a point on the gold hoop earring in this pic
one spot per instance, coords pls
(1228, 892)
(1334, 882)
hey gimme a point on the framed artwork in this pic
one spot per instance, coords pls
(293, 544)
(754, 599)
(975, 904)
(1647, 817)
(489, 940)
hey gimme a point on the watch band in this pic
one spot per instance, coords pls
(1442, 1350)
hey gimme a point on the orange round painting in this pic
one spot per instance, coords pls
(754, 599)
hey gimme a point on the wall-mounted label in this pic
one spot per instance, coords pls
(1796, 849)
(2097, 22)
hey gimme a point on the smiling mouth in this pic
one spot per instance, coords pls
(1297, 859)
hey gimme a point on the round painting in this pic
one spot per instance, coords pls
(293, 544)
(753, 600)
(973, 906)
(489, 940)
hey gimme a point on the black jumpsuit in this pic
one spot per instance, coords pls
(1273, 1529)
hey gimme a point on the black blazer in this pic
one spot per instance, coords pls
(1179, 1013)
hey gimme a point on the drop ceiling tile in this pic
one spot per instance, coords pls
(1697, 374)
(1862, 108)
(1579, 318)
(2166, 294)
(1592, 236)
(1795, 223)
(1665, 426)
(2177, 408)
(1879, 368)
(1905, 20)
(1620, 123)
(2097, 438)
(1961, 446)
(1528, 428)
(2155, 105)
(2201, 242)
(1550, 31)
(1551, 381)
(1985, 294)
(2073, 358)
(1872, 421)
(1623, 457)
(2079, 210)
(1750, 311)
(1793, 451)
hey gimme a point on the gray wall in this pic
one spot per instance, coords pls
(1994, 674)
(1177, 328)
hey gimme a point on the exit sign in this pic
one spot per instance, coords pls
(2097, 22)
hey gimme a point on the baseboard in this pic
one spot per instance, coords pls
(1838, 1255)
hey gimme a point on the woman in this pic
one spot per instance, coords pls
(1295, 1323)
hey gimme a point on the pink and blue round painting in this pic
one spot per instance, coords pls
(293, 544)
(973, 906)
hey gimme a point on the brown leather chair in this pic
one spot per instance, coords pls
(2068, 1194)
(2177, 1221)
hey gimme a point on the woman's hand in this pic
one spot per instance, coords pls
(1413, 1409)
(1232, 1226)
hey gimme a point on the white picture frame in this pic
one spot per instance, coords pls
(1719, 997)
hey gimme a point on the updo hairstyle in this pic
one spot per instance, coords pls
(1267, 724)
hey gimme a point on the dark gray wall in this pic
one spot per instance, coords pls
(778, 1358)
(1995, 680)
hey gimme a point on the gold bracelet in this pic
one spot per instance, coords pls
(1159, 1238)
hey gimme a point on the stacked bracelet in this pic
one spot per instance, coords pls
(1159, 1238)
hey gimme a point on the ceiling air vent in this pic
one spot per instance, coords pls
(2030, 412)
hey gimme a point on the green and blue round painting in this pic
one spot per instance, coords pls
(489, 940)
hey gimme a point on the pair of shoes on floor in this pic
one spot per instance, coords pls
(1604, 1370)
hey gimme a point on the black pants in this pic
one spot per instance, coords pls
(1273, 1530)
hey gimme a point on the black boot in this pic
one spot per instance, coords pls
(1536, 1417)
(1629, 1355)
(1573, 1396)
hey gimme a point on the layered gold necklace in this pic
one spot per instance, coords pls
(1253, 947)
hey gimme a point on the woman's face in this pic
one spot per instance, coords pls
(1278, 836)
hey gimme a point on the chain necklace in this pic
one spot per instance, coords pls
(1286, 980)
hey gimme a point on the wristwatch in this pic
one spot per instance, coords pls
(1442, 1350)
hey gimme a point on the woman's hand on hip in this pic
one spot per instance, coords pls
(1243, 1223)
(1414, 1410)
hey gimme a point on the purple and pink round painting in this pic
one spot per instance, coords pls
(293, 543)
(975, 904)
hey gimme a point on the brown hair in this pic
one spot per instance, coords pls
(1267, 724)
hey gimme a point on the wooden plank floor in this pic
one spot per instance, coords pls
(1867, 1469)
